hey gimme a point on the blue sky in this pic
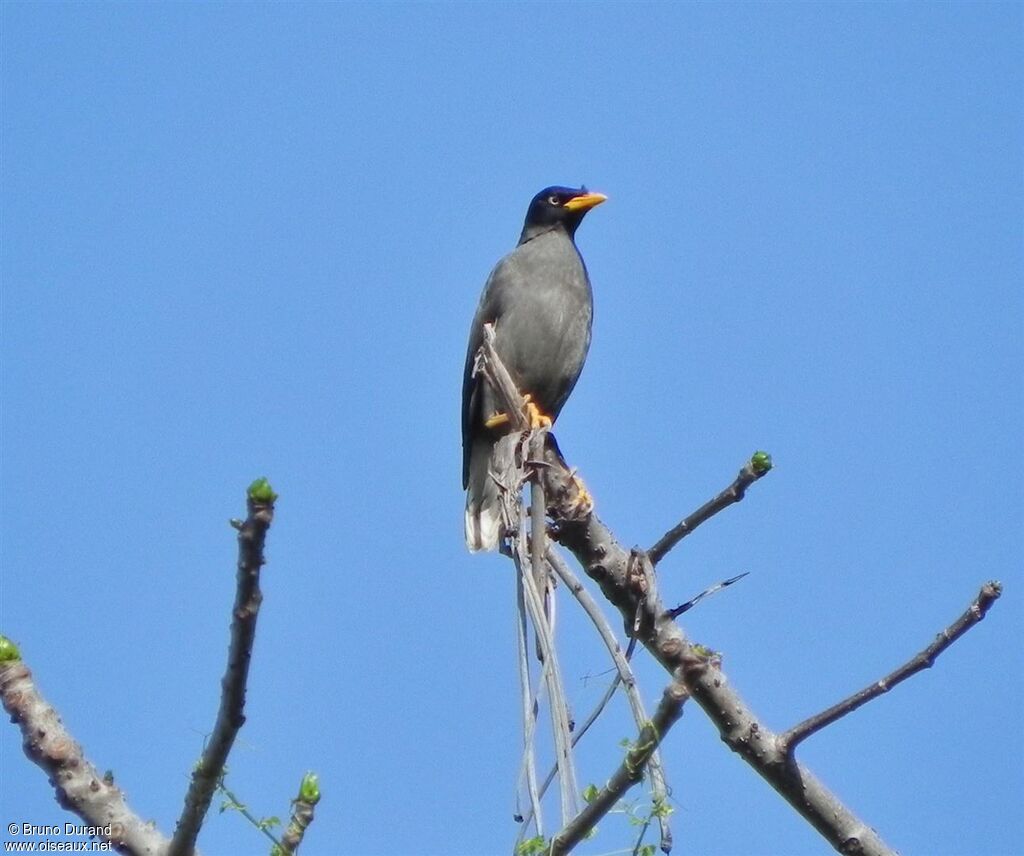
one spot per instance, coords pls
(248, 239)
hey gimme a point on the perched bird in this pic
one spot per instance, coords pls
(539, 300)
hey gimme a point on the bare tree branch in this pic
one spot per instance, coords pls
(758, 465)
(79, 787)
(629, 772)
(988, 595)
(230, 716)
(528, 766)
(627, 579)
(551, 674)
(614, 570)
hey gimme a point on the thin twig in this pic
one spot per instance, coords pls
(236, 804)
(629, 772)
(580, 730)
(988, 595)
(80, 787)
(755, 468)
(230, 716)
(577, 735)
(693, 601)
(303, 809)
(538, 536)
(528, 766)
(489, 364)
(659, 787)
(551, 675)
(624, 676)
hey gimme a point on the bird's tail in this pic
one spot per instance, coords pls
(483, 505)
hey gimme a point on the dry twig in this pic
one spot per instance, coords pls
(758, 465)
(988, 595)
(230, 716)
(629, 772)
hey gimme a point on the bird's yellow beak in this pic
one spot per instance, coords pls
(585, 201)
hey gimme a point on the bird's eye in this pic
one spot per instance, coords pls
(553, 199)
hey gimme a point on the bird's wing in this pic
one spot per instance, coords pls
(492, 303)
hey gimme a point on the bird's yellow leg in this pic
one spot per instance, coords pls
(584, 502)
(537, 418)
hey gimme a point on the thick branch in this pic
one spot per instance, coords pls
(79, 787)
(988, 595)
(230, 717)
(629, 772)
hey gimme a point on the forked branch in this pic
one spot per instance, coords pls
(627, 579)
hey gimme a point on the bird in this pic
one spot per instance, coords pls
(539, 300)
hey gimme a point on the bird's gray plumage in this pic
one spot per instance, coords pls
(539, 300)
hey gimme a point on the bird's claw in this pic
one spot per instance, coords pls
(583, 502)
(496, 421)
(537, 418)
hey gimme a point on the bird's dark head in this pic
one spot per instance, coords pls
(559, 206)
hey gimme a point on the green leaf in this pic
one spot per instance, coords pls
(590, 793)
(532, 846)
(760, 462)
(8, 650)
(661, 809)
(269, 822)
(261, 491)
(231, 805)
(309, 789)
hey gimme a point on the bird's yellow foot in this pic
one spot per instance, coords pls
(583, 504)
(536, 417)
(496, 421)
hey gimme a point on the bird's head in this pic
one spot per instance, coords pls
(559, 206)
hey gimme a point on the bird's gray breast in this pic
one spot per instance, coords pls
(545, 310)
